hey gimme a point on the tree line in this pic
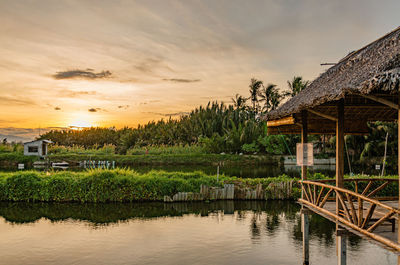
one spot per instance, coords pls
(231, 128)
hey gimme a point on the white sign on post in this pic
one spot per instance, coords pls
(304, 154)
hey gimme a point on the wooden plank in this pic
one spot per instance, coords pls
(284, 121)
(323, 115)
(382, 101)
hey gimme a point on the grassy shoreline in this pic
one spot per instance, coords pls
(118, 185)
(123, 185)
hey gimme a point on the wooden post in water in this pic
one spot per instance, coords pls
(341, 242)
(398, 168)
(304, 140)
(339, 148)
(339, 162)
(306, 236)
(340, 144)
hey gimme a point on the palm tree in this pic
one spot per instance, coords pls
(270, 96)
(239, 101)
(295, 86)
(254, 91)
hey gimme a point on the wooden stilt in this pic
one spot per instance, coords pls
(341, 243)
(306, 238)
(339, 149)
(304, 139)
(398, 168)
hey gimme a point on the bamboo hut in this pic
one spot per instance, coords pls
(360, 88)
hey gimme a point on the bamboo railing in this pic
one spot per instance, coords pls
(351, 206)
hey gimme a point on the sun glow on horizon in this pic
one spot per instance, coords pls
(81, 120)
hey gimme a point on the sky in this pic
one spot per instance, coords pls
(123, 63)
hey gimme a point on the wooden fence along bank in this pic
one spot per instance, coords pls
(275, 191)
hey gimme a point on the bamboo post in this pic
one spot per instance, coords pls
(398, 168)
(341, 240)
(339, 149)
(306, 237)
(304, 139)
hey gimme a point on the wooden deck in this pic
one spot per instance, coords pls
(385, 229)
(362, 212)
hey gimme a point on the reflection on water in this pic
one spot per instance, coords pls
(223, 232)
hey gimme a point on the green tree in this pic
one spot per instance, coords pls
(270, 96)
(255, 86)
(239, 101)
(295, 86)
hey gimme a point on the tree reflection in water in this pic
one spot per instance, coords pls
(266, 216)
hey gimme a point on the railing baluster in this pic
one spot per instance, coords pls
(310, 193)
(356, 186)
(360, 211)
(325, 198)
(319, 196)
(378, 189)
(369, 215)
(367, 188)
(346, 210)
(305, 192)
(353, 211)
(375, 225)
(315, 195)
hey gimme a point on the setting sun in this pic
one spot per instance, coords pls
(81, 120)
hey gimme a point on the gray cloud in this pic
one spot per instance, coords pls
(57, 108)
(71, 93)
(96, 109)
(82, 74)
(16, 100)
(150, 65)
(181, 80)
(181, 113)
(24, 134)
(123, 106)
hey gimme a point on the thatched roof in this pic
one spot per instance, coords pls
(371, 69)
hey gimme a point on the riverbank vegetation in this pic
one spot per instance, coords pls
(122, 185)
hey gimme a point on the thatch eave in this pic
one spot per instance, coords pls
(374, 68)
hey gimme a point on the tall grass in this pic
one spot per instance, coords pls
(118, 185)
(107, 149)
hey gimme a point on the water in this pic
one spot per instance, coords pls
(225, 232)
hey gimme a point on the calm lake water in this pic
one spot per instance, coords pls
(229, 232)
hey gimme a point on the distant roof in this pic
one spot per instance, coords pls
(375, 67)
(42, 140)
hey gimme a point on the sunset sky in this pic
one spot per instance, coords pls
(121, 63)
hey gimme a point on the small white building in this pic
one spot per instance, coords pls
(36, 148)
